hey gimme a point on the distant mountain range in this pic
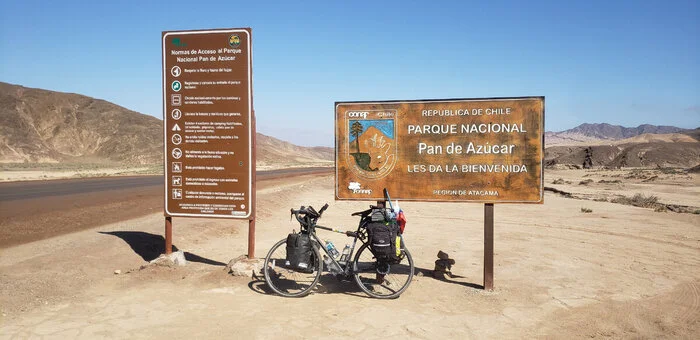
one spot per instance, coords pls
(41, 126)
(616, 146)
(607, 131)
(603, 132)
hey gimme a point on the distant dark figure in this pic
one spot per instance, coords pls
(587, 161)
(623, 161)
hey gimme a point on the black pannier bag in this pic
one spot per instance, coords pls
(299, 252)
(382, 237)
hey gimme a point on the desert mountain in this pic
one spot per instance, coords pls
(607, 131)
(45, 126)
(657, 138)
(605, 145)
(40, 126)
(604, 133)
(275, 152)
(652, 154)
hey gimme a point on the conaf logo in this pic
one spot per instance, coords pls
(358, 114)
(356, 188)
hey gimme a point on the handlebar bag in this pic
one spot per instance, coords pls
(299, 252)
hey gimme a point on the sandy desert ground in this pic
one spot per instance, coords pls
(616, 272)
(14, 175)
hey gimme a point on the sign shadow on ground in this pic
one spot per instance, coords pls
(150, 246)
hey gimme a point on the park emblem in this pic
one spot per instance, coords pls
(234, 40)
(371, 144)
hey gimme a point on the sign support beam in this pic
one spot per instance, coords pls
(488, 246)
(253, 179)
(168, 235)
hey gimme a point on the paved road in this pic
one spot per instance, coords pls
(13, 191)
(35, 210)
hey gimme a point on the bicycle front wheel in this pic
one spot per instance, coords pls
(287, 281)
(382, 280)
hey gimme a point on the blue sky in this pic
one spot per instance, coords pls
(619, 62)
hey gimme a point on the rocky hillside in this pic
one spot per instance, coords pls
(46, 127)
(273, 152)
(604, 133)
(614, 146)
(614, 132)
(654, 154)
(40, 126)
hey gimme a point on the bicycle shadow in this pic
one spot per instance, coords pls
(428, 273)
(150, 246)
(327, 284)
(330, 284)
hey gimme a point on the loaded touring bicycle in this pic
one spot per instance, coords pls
(382, 266)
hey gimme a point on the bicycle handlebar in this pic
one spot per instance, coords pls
(323, 208)
(308, 215)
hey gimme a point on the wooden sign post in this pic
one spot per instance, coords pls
(488, 246)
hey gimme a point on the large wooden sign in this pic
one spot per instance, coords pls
(479, 150)
(208, 106)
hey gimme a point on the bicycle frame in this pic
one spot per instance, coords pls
(346, 268)
(308, 223)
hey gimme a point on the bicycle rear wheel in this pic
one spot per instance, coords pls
(382, 280)
(287, 281)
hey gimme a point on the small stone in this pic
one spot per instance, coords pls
(178, 258)
(243, 266)
(175, 259)
(117, 272)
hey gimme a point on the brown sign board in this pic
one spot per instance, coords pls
(208, 113)
(472, 150)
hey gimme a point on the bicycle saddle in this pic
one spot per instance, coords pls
(362, 213)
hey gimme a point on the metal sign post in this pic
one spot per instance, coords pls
(251, 221)
(168, 235)
(488, 246)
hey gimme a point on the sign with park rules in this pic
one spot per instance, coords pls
(488, 150)
(208, 108)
